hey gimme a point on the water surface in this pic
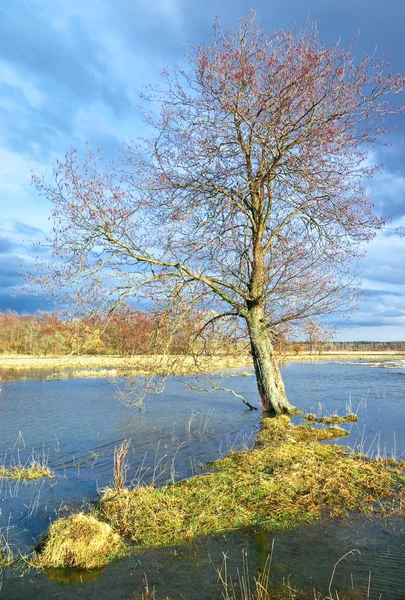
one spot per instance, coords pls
(75, 424)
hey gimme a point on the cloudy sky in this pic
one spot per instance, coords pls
(71, 71)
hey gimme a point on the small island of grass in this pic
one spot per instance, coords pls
(288, 478)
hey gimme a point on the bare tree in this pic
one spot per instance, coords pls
(248, 195)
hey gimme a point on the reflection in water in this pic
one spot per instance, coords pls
(73, 576)
(75, 424)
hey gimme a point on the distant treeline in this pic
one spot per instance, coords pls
(318, 347)
(364, 346)
(126, 332)
(130, 331)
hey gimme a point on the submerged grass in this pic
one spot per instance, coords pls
(6, 556)
(262, 587)
(287, 479)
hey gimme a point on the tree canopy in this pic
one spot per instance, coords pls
(248, 197)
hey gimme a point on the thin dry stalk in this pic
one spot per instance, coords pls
(335, 566)
(243, 589)
(120, 465)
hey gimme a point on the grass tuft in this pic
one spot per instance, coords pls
(80, 541)
(34, 470)
(6, 557)
(332, 420)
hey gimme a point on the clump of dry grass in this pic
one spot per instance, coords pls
(80, 541)
(334, 419)
(287, 479)
(33, 470)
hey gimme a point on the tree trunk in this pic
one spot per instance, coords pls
(268, 376)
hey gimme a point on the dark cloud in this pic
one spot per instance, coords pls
(13, 267)
(12, 280)
(374, 319)
(24, 303)
(388, 184)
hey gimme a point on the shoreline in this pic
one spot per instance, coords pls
(143, 365)
(113, 365)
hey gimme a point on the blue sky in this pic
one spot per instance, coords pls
(71, 71)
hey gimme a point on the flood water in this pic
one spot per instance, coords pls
(74, 424)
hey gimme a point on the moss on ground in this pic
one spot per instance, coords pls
(287, 479)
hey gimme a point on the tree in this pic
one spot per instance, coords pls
(316, 335)
(248, 196)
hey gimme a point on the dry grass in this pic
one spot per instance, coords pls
(142, 365)
(6, 556)
(84, 366)
(262, 587)
(80, 541)
(34, 470)
(289, 478)
(333, 419)
(6, 559)
(120, 466)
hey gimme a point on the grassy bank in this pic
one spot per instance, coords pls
(287, 479)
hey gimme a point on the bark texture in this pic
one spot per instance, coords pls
(268, 377)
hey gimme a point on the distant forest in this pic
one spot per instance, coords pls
(132, 331)
(362, 346)
(126, 332)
